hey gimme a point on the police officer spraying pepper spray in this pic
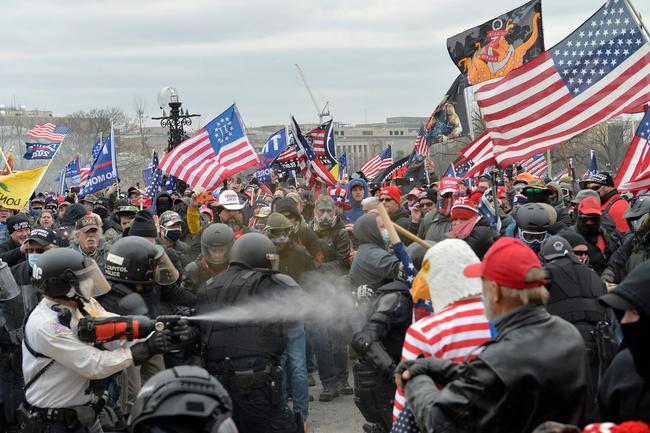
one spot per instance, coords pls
(62, 388)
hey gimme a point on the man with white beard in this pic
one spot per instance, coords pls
(533, 371)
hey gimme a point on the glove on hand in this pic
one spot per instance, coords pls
(158, 342)
(182, 331)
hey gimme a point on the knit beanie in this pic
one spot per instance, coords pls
(463, 208)
(143, 225)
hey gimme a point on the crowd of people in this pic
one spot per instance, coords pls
(515, 304)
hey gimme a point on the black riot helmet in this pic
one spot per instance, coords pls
(66, 273)
(216, 243)
(535, 217)
(638, 215)
(255, 251)
(134, 260)
(182, 399)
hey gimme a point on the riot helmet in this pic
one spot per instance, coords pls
(134, 260)
(66, 273)
(533, 221)
(8, 286)
(182, 399)
(216, 243)
(278, 229)
(255, 251)
(638, 215)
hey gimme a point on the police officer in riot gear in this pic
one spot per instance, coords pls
(183, 399)
(11, 337)
(245, 356)
(216, 243)
(636, 248)
(379, 346)
(63, 386)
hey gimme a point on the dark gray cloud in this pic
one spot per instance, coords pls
(371, 59)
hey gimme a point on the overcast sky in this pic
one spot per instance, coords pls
(370, 58)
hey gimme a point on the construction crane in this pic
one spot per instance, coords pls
(321, 113)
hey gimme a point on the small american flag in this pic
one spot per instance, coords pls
(536, 165)
(48, 131)
(217, 151)
(634, 173)
(85, 172)
(377, 163)
(481, 154)
(421, 147)
(596, 73)
(156, 177)
(288, 154)
(322, 142)
(313, 170)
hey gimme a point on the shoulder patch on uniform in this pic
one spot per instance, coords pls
(59, 330)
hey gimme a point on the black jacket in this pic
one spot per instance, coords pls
(533, 371)
(623, 394)
(335, 245)
(159, 299)
(10, 252)
(627, 257)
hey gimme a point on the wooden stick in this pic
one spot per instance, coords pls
(407, 234)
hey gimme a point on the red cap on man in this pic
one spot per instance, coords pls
(590, 206)
(393, 192)
(507, 263)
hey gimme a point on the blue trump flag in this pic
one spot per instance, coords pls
(41, 150)
(103, 171)
(274, 145)
(593, 164)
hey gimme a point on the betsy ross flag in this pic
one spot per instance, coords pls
(634, 173)
(481, 154)
(48, 132)
(599, 71)
(313, 170)
(217, 151)
(536, 165)
(421, 147)
(377, 163)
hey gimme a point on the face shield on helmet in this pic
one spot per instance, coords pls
(164, 271)
(91, 280)
(216, 254)
(639, 225)
(8, 287)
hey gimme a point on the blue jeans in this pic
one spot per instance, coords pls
(330, 347)
(294, 361)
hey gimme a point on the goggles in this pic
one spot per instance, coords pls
(529, 236)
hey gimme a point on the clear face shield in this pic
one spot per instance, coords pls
(92, 282)
(217, 254)
(165, 273)
(8, 287)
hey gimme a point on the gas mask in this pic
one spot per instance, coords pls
(326, 219)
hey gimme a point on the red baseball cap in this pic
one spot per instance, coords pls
(590, 205)
(392, 192)
(507, 262)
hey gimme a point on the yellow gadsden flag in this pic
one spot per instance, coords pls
(16, 188)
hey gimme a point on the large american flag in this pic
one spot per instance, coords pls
(481, 153)
(634, 173)
(377, 163)
(217, 151)
(421, 147)
(536, 165)
(48, 131)
(598, 72)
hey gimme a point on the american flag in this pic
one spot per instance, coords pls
(313, 170)
(156, 177)
(536, 165)
(634, 173)
(322, 142)
(598, 72)
(420, 146)
(377, 163)
(288, 154)
(85, 172)
(48, 131)
(218, 150)
(560, 175)
(481, 153)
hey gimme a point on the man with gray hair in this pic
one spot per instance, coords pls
(533, 371)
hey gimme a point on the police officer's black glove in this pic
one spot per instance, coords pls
(181, 330)
(158, 342)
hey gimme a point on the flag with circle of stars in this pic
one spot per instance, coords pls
(156, 177)
(598, 46)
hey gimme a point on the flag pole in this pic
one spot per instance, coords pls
(6, 162)
(637, 15)
(549, 164)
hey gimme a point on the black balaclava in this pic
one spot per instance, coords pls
(588, 230)
(636, 336)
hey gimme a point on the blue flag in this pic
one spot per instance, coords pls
(275, 144)
(147, 174)
(170, 184)
(343, 166)
(40, 150)
(593, 164)
(97, 147)
(103, 171)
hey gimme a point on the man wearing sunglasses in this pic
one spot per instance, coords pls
(612, 203)
(602, 243)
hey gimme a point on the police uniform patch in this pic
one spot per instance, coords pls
(59, 330)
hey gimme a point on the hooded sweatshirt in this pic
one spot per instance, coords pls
(356, 211)
(163, 205)
(373, 265)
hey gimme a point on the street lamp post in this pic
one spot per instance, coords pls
(177, 119)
